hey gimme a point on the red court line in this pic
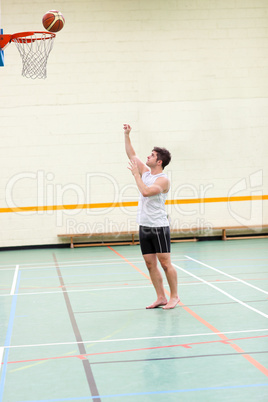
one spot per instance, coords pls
(130, 263)
(237, 348)
(183, 345)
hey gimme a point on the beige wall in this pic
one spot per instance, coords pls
(190, 75)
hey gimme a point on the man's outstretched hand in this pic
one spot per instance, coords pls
(133, 167)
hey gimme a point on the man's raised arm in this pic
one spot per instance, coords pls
(131, 152)
(128, 146)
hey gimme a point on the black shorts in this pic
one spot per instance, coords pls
(154, 240)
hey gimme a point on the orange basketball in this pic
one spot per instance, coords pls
(53, 21)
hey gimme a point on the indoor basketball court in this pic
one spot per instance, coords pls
(117, 115)
(80, 330)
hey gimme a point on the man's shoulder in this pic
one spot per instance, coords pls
(147, 173)
(162, 175)
(164, 181)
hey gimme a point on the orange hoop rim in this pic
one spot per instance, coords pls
(5, 39)
(22, 36)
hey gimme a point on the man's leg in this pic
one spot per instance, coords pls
(171, 274)
(157, 280)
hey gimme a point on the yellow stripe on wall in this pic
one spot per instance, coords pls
(218, 199)
(131, 204)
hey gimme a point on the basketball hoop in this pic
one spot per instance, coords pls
(34, 48)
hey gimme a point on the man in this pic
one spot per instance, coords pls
(154, 230)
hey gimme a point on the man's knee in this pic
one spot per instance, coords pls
(166, 264)
(151, 263)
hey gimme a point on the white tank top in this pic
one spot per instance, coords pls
(151, 210)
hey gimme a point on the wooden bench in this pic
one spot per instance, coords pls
(246, 236)
(224, 230)
(129, 237)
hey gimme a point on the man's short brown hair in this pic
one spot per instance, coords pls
(163, 155)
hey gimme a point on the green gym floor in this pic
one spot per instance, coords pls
(73, 325)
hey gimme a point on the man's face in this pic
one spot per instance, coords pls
(152, 159)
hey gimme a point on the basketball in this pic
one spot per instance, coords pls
(53, 21)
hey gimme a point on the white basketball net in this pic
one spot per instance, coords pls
(34, 50)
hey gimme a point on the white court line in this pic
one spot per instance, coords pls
(24, 268)
(1, 356)
(51, 263)
(13, 287)
(74, 264)
(136, 339)
(222, 291)
(92, 264)
(104, 289)
(80, 290)
(230, 276)
(200, 283)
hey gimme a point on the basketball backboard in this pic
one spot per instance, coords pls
(1, 51)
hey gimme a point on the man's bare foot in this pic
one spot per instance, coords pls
(172, 303)
(159, 302)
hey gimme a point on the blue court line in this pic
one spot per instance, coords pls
(8, 337)
(83, 398)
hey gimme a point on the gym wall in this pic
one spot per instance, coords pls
(189, 75)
